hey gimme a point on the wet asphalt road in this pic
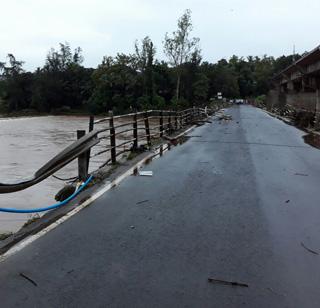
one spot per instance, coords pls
(234, 202)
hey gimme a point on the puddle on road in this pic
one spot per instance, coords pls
(313, 140)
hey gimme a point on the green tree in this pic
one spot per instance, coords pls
(201, 88)
(179, 47)
(116, 85)
(63, 82)
(16, 84)
(145, 56)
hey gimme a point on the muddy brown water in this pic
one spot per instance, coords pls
(26, 145)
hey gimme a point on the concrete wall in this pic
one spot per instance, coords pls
(275, 99)
(272, 99)
(302, 100)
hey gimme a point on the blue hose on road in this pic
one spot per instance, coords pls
(51, 207)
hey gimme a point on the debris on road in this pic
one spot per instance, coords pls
(143, 201)
(225, 117)
(230, 283)
(29, 279)
(201, 122)
(287, 201)
(132, 227)
(308, 249)
(301, 174)
(145, 173)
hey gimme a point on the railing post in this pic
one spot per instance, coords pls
(91, 125)
(176, 120)
(112, 141)
(169, 123)
(82, 160)
(161, 123)
(135, 132)
(146, 123)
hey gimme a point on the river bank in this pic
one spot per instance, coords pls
(26, 113)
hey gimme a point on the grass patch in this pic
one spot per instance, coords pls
(4, 236)
(132, 155)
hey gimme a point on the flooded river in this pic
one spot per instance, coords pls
(26, 145)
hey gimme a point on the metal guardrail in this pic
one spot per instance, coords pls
(133, 123)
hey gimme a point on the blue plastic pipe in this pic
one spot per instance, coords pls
(51, 207)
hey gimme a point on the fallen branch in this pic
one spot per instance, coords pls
(224, 117)
(301, 174)
(143, 201)
(200, 122)
(308, 249)
(29, 279)
(230, 283)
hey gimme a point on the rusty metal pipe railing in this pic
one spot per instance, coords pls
(81, 148)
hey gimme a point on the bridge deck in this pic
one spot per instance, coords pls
(234, 202)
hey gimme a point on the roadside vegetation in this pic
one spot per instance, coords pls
(134, 81)
(4, 236)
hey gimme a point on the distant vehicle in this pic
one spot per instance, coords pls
(239, 101)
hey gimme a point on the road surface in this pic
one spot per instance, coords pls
(239, 201)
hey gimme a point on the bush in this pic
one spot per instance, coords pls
(159, 102)
(261, 100)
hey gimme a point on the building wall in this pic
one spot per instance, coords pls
(276, 99)
(302, 101)
(272, 99)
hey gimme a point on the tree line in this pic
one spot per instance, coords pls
(135, 81)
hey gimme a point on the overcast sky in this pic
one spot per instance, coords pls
(28, 28)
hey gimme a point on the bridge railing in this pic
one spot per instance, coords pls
(132, 132)
(114, 135)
